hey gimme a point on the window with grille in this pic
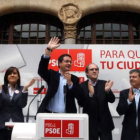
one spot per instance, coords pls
(99, 28)
(29, 28)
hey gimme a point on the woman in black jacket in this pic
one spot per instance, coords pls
(13, 97)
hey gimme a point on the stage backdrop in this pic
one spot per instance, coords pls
(114, 62)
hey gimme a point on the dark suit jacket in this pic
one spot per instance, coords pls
(12, 108)
(52, 78)
(129, 112)
(97, 108)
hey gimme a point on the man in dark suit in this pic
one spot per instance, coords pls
(97, 95)
(129, 106)
(63, 87)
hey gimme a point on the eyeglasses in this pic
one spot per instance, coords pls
(96, 69)
(67, 61)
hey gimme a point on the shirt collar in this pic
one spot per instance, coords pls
(94, 83)
(136, 90)
(60, 72)
(10, 86)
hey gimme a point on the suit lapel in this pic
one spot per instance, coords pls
(15, 94)
(56, 79)
(134, 103)
(7, 95)
(99, 90)
(139, 105)
(86, 87)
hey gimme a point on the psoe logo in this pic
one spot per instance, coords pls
(80, 57)
(70, 129)
(80, 62)
(52, 128)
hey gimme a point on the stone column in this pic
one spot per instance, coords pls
(70, 14)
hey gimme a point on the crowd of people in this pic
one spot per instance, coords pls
(63, 88)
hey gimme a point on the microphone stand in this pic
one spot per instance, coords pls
(38, 92)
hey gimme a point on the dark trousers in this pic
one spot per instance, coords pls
(96, 133)
(5, 134)
(101, 135)
(137, 135)
(105, 136)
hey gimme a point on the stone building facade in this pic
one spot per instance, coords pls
(99, 20)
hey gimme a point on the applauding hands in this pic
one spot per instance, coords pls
(108, 85)
(131, 96)
(28, 85)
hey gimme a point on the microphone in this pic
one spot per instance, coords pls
(42, 87)
(65, 89)
(38, 92)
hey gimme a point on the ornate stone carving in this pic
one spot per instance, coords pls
(70, 13)
(70, 32)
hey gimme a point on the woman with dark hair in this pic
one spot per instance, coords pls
(13, 98)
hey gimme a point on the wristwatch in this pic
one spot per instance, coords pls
(49, 49)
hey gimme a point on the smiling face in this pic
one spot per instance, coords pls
(135, 80)
(65, 65)
(92, 72)
(13, 77)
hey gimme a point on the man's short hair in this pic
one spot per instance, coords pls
(86, 70)
(135, 70)
(60, 59)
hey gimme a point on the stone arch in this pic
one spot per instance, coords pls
(40, 6)
(109, 5)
